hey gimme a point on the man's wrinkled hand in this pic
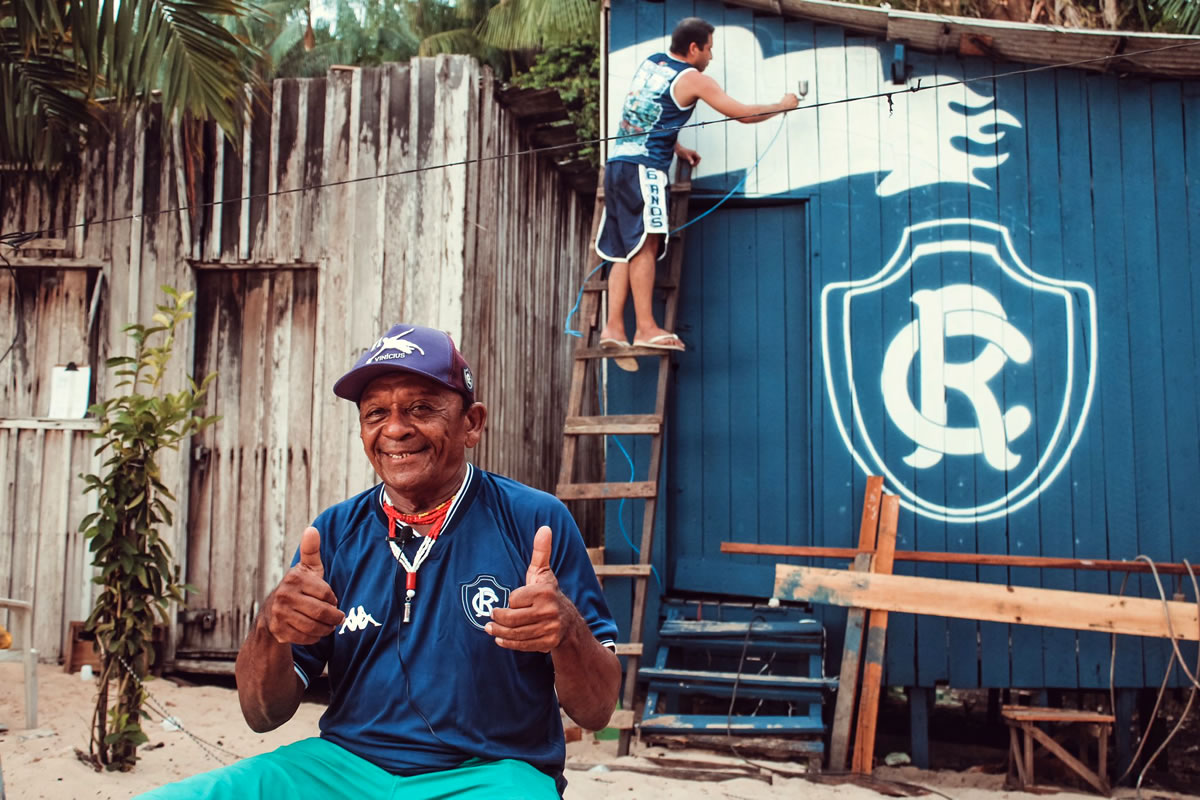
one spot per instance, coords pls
(538, 616)
(303, 608)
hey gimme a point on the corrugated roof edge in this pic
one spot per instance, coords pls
(1137, 53)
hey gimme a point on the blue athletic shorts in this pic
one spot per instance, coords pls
(315, 768)
(635, 205)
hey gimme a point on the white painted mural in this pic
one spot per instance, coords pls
(951, 366)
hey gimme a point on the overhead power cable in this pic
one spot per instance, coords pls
(6, 238)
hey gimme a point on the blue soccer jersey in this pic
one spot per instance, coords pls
(650, 117)
(434, 692)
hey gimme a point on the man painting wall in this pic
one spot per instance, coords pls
(634, 227)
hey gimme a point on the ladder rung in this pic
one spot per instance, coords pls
(614, 424)
(622, 352)
(601, 284)
(629, 648)
(606, 491)
(622, 570)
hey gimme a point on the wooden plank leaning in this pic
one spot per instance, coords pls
(868, 706)
(1052, 608)
(847, 694)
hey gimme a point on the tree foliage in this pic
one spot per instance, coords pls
(1152, 16)
(136, 571)
(574, 70)
(60, 58)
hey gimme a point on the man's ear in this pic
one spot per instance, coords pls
(476, 417)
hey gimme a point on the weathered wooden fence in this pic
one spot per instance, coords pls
(293, 283)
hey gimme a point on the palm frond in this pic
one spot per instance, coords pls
(533, 24)
(462, 40)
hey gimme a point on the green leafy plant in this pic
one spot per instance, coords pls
(135, 563)
(574, 70)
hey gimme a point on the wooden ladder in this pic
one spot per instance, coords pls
(588, 354)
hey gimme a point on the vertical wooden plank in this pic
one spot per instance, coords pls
(215, 212)
(300, 470)
(365, 275)
(868, 708)
(1114, 410)
(711, 141)
(1146, 348)
(222, 561)
(737, 36)
(341, 132)
(49, 569)
(277, 393)
(400, 211)
(847, 694)
(452, 105)
(1049, 257)
(252, 438)
(8, 493)
(206, 455)
(27, 521)
(1088, 465)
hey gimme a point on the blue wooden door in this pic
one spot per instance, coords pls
(738, 443)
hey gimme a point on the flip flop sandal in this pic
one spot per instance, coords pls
(660, 342)
(627, 363)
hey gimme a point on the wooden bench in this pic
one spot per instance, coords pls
(1023, 733)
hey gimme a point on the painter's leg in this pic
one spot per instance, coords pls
(309, 768)
(618, 293)
(641, 282)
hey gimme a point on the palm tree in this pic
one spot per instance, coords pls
(60, 58)
(494, 29)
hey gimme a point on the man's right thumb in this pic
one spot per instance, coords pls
(310, 549)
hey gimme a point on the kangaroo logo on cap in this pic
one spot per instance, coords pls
(394, 343)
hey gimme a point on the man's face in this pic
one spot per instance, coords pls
(415, 433)
(700, 57)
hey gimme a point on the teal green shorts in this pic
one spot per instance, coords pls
(315, 768)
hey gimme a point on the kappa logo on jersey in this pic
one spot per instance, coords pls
(958, 372)
(480, 596)
(357, 620)
(391, 347)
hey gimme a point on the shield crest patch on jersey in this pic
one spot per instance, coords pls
(480, 596)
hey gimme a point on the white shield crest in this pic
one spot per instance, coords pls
(959, 373)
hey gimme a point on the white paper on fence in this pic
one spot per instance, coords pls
(69, 392)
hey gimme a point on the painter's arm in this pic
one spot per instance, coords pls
(302, 610)
(696, 85)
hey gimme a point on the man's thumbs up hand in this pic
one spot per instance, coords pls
(539, 563)
(310, 551)
(538, 616)
(303, 608)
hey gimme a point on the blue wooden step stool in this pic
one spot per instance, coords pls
(781, 660)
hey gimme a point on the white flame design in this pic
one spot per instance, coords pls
(934, 135)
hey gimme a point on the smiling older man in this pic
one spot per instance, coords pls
(454, 609)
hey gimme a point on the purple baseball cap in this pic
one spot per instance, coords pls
(411, 348)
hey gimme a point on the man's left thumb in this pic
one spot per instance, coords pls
(541, 554)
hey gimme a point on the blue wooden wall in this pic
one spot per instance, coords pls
(1070, 199)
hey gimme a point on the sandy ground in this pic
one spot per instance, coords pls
(42, 763)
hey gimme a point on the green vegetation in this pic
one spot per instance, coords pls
(137, 572)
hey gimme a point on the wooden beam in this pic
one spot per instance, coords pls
(36, 262)
(985, 559)
(1052, 608)
(868, 706)
(847, 694)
